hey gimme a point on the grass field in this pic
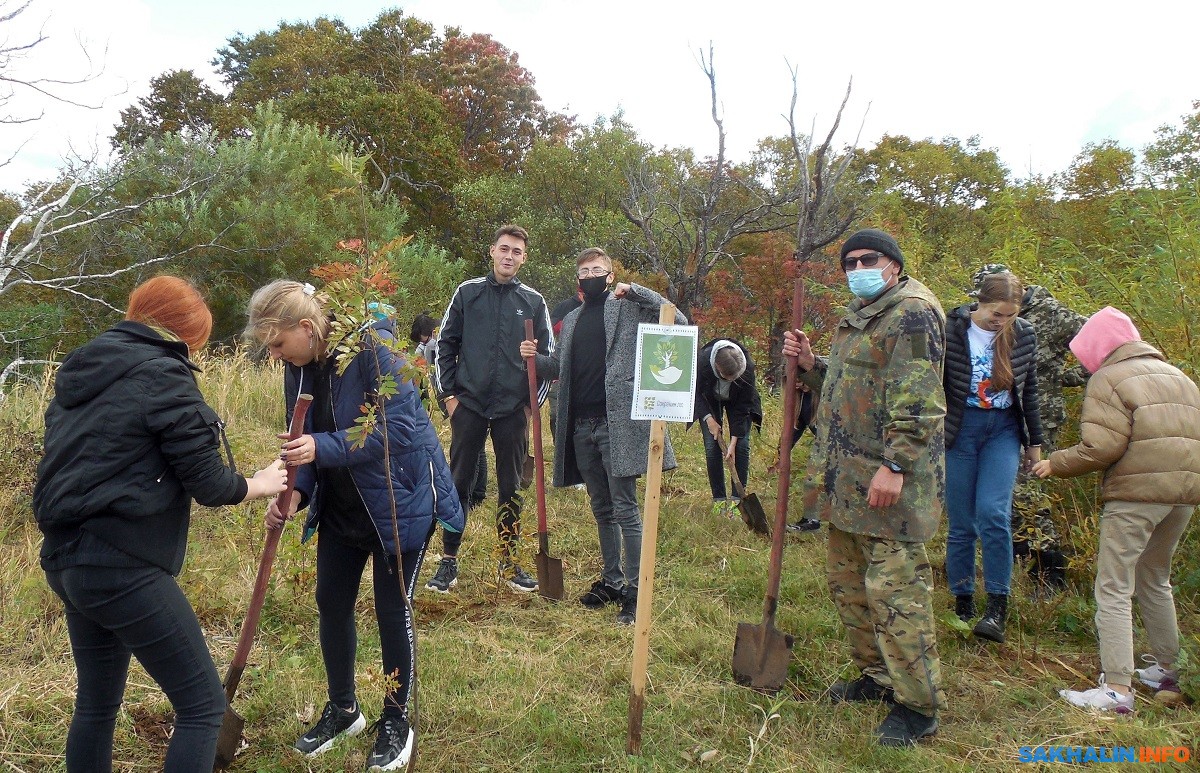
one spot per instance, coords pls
(510, 682)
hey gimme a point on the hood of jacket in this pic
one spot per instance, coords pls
(98, 364)
(1103, 333)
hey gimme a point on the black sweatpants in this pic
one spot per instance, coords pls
(339, 574)
(510, 442)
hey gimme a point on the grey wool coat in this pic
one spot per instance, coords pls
(629, 439)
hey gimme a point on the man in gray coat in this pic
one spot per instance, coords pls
(593, 363)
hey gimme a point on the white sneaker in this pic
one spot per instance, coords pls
(1102, 698)
(1155, 675)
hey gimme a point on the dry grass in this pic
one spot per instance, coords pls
(519, 683)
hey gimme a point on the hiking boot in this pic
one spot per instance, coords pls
(905, 726)
(804, 525)
(991, 625)
(964, 607)
(628, 613)
(446, 576)
(1102, 698)
(862, 689)
(517, 578)
(334, 722)
(599, 595)
(393, 745)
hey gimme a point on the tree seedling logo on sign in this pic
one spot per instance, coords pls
(662, 367)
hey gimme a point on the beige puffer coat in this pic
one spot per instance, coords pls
(1141, 425)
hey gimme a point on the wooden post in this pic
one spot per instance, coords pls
(641, 633)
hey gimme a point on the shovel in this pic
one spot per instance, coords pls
(231, 725)
(751, 509)
(761, 653)
(549, 570)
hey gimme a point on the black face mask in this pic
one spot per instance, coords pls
(593, 287)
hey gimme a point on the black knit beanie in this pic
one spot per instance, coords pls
(874, 239)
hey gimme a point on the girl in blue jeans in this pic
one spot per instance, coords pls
(991, 414)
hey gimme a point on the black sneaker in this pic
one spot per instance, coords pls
(393, 745)
(904, 727)
(862, 689)
(804, 525)
(334, 722)
(628, 613)
(517, 578)
(446, 576)
(600, 594)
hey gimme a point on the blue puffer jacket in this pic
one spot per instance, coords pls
(421, 479)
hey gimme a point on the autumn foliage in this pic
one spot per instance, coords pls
(752, 302)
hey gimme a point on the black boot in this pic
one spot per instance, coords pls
(964, 607)
(991, 625)
(1049, 572)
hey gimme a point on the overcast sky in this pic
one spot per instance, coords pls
(1035, 80)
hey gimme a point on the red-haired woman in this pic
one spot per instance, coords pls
(129, 444)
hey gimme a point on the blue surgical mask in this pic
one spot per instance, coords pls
(866, 283)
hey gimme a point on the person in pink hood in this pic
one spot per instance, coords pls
(1140, 427)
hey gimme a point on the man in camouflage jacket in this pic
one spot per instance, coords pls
(1033, 529)
(877, 475)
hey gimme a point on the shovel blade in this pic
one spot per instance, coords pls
(753, 515)
(550, 576)
(230, 739)
(761, 654)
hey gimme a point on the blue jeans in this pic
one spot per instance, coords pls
(111, 613)
(716, 462)
(981, 469)
(614, 504)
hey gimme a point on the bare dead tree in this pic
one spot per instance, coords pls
(685, 215)
(13, 82)
(68, 204)
(828, 204)
(72, 238)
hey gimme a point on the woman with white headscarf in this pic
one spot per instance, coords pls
(726, 389)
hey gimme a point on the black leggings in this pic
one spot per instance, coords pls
(339, 573)
(111, 613)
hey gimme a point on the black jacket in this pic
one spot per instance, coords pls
(957, 378)
(479, 346)
(129, 443)
(744, 405)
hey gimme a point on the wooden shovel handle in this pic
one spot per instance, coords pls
(250, 624)
(535, 416)
(770, 603)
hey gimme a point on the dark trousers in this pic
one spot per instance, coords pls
(113, 613)
(479, 487)
(339, 573)
(716, 462)
(510, 441)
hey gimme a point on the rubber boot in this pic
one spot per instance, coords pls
(991, 625)
(964, 607)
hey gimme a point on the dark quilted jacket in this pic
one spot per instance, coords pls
(957, 377)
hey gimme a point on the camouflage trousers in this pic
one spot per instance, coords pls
(883, 591)
(1033, 528)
